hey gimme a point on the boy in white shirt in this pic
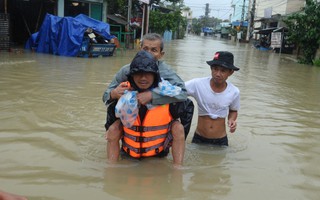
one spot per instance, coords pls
(217, 101)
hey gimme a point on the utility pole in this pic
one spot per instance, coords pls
(207, 11)
(5, 6)
(145, 19)
(129, 14)
(243, 9)
(249, 17)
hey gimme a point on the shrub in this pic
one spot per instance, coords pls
(316, 62)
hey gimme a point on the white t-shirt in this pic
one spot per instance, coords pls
(210, 103)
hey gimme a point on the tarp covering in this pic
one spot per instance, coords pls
(64, 35)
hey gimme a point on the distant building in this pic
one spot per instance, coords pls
(269, 13)
(187, 13)
(268, 25)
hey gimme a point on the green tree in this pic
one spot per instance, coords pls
(304, 31)
(158, 21)
(117, 7)
(174, 21)
(202, 21)
(197, 24)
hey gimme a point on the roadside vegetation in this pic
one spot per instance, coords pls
(172, 21)
(304, 31)
(203, 21)
(160, 20)
(316, 62)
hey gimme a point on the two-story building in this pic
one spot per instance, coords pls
(268, 14)
(269, 27)
(187, 13)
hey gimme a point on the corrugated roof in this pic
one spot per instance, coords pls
(117, 19)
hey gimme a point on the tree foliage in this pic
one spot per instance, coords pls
(202, 21)
(118, 7)
(304, 30)
(160, 22)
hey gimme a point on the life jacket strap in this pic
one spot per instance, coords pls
(144, 139)
(148, 128)
(143, 150)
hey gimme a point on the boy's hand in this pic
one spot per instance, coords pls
(144, 97)
(232, 125)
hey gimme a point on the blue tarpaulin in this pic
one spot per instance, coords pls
(64, 35)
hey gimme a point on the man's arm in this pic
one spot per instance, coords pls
(120, 76)
(168, 74)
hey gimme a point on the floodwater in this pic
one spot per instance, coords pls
(52, 142)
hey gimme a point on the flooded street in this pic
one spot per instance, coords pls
(52, 144)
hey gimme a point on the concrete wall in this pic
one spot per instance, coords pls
(281, 7)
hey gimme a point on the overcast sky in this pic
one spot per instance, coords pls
(218, 8)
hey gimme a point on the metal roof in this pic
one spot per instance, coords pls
(117, 19)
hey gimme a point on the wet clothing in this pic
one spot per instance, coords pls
(183, 110)
(210, 103)
(148, 134)
(198, 139)
(172, 111)
(165, 72)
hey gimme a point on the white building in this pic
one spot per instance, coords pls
(268, 13)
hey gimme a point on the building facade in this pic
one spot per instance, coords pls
(269, 13)
(25, 16)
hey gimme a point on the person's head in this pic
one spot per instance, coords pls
(222, 65)
(153, 43)
(144, 71)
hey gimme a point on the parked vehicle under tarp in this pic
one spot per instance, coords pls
(64, 36)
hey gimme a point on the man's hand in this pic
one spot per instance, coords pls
(144, 97)
(119, 90)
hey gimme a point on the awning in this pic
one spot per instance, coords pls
(281, 29)
(117, 19)
(265, 31)
(236, 23)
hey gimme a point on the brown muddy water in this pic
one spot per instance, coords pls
(52, 142)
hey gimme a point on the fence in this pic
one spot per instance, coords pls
(4, 32)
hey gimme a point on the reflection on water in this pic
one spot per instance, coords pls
(52, 136)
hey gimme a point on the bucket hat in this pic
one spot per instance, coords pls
(223, 59)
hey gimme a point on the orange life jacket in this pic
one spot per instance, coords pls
(147, 138)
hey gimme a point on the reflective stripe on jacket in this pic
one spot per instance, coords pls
(145, 139)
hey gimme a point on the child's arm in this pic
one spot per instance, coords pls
(232, 123)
